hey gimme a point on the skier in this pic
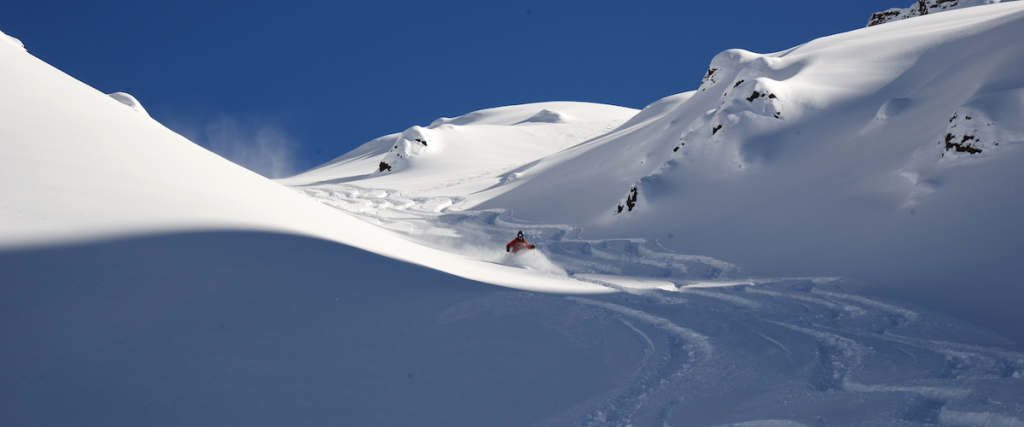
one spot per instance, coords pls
(519, 244)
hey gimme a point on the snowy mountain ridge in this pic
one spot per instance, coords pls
(842, 120)
(483, 144)
(862, 137)
(93, 178)
(13, 41)
(130, 101)
(924, 7)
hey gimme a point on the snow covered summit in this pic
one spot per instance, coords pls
(923, 7)
(862, 137)
(464, 155)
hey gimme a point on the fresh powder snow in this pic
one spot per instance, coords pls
(827, 235)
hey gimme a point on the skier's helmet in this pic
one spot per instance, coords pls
(520, 235)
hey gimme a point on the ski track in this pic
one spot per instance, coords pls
(844, 307)
(908, 314)
(652, 294)
(697, 343)
(724, 297)
(778, 344)
(816, 341)
(683, 350)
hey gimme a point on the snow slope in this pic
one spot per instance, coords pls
(80, 166)
(256, 328)
(225, 328)
(889, 153)
(147, 281)
(469, 153)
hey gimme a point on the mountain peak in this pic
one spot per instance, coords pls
(545, 116)
(923, 7)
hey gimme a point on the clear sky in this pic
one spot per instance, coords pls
(281, 87)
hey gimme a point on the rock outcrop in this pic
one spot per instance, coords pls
(969, 132)
(413, 142)
(629, 202)
(923, 7)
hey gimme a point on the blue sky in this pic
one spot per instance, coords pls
(284, 86)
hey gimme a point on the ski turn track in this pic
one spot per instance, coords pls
(753, 352)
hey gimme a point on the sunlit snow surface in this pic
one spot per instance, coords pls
(825, 148)
(146, 281)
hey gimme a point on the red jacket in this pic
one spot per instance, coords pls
(518, 245)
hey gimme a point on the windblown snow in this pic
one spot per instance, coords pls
(828, 235)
